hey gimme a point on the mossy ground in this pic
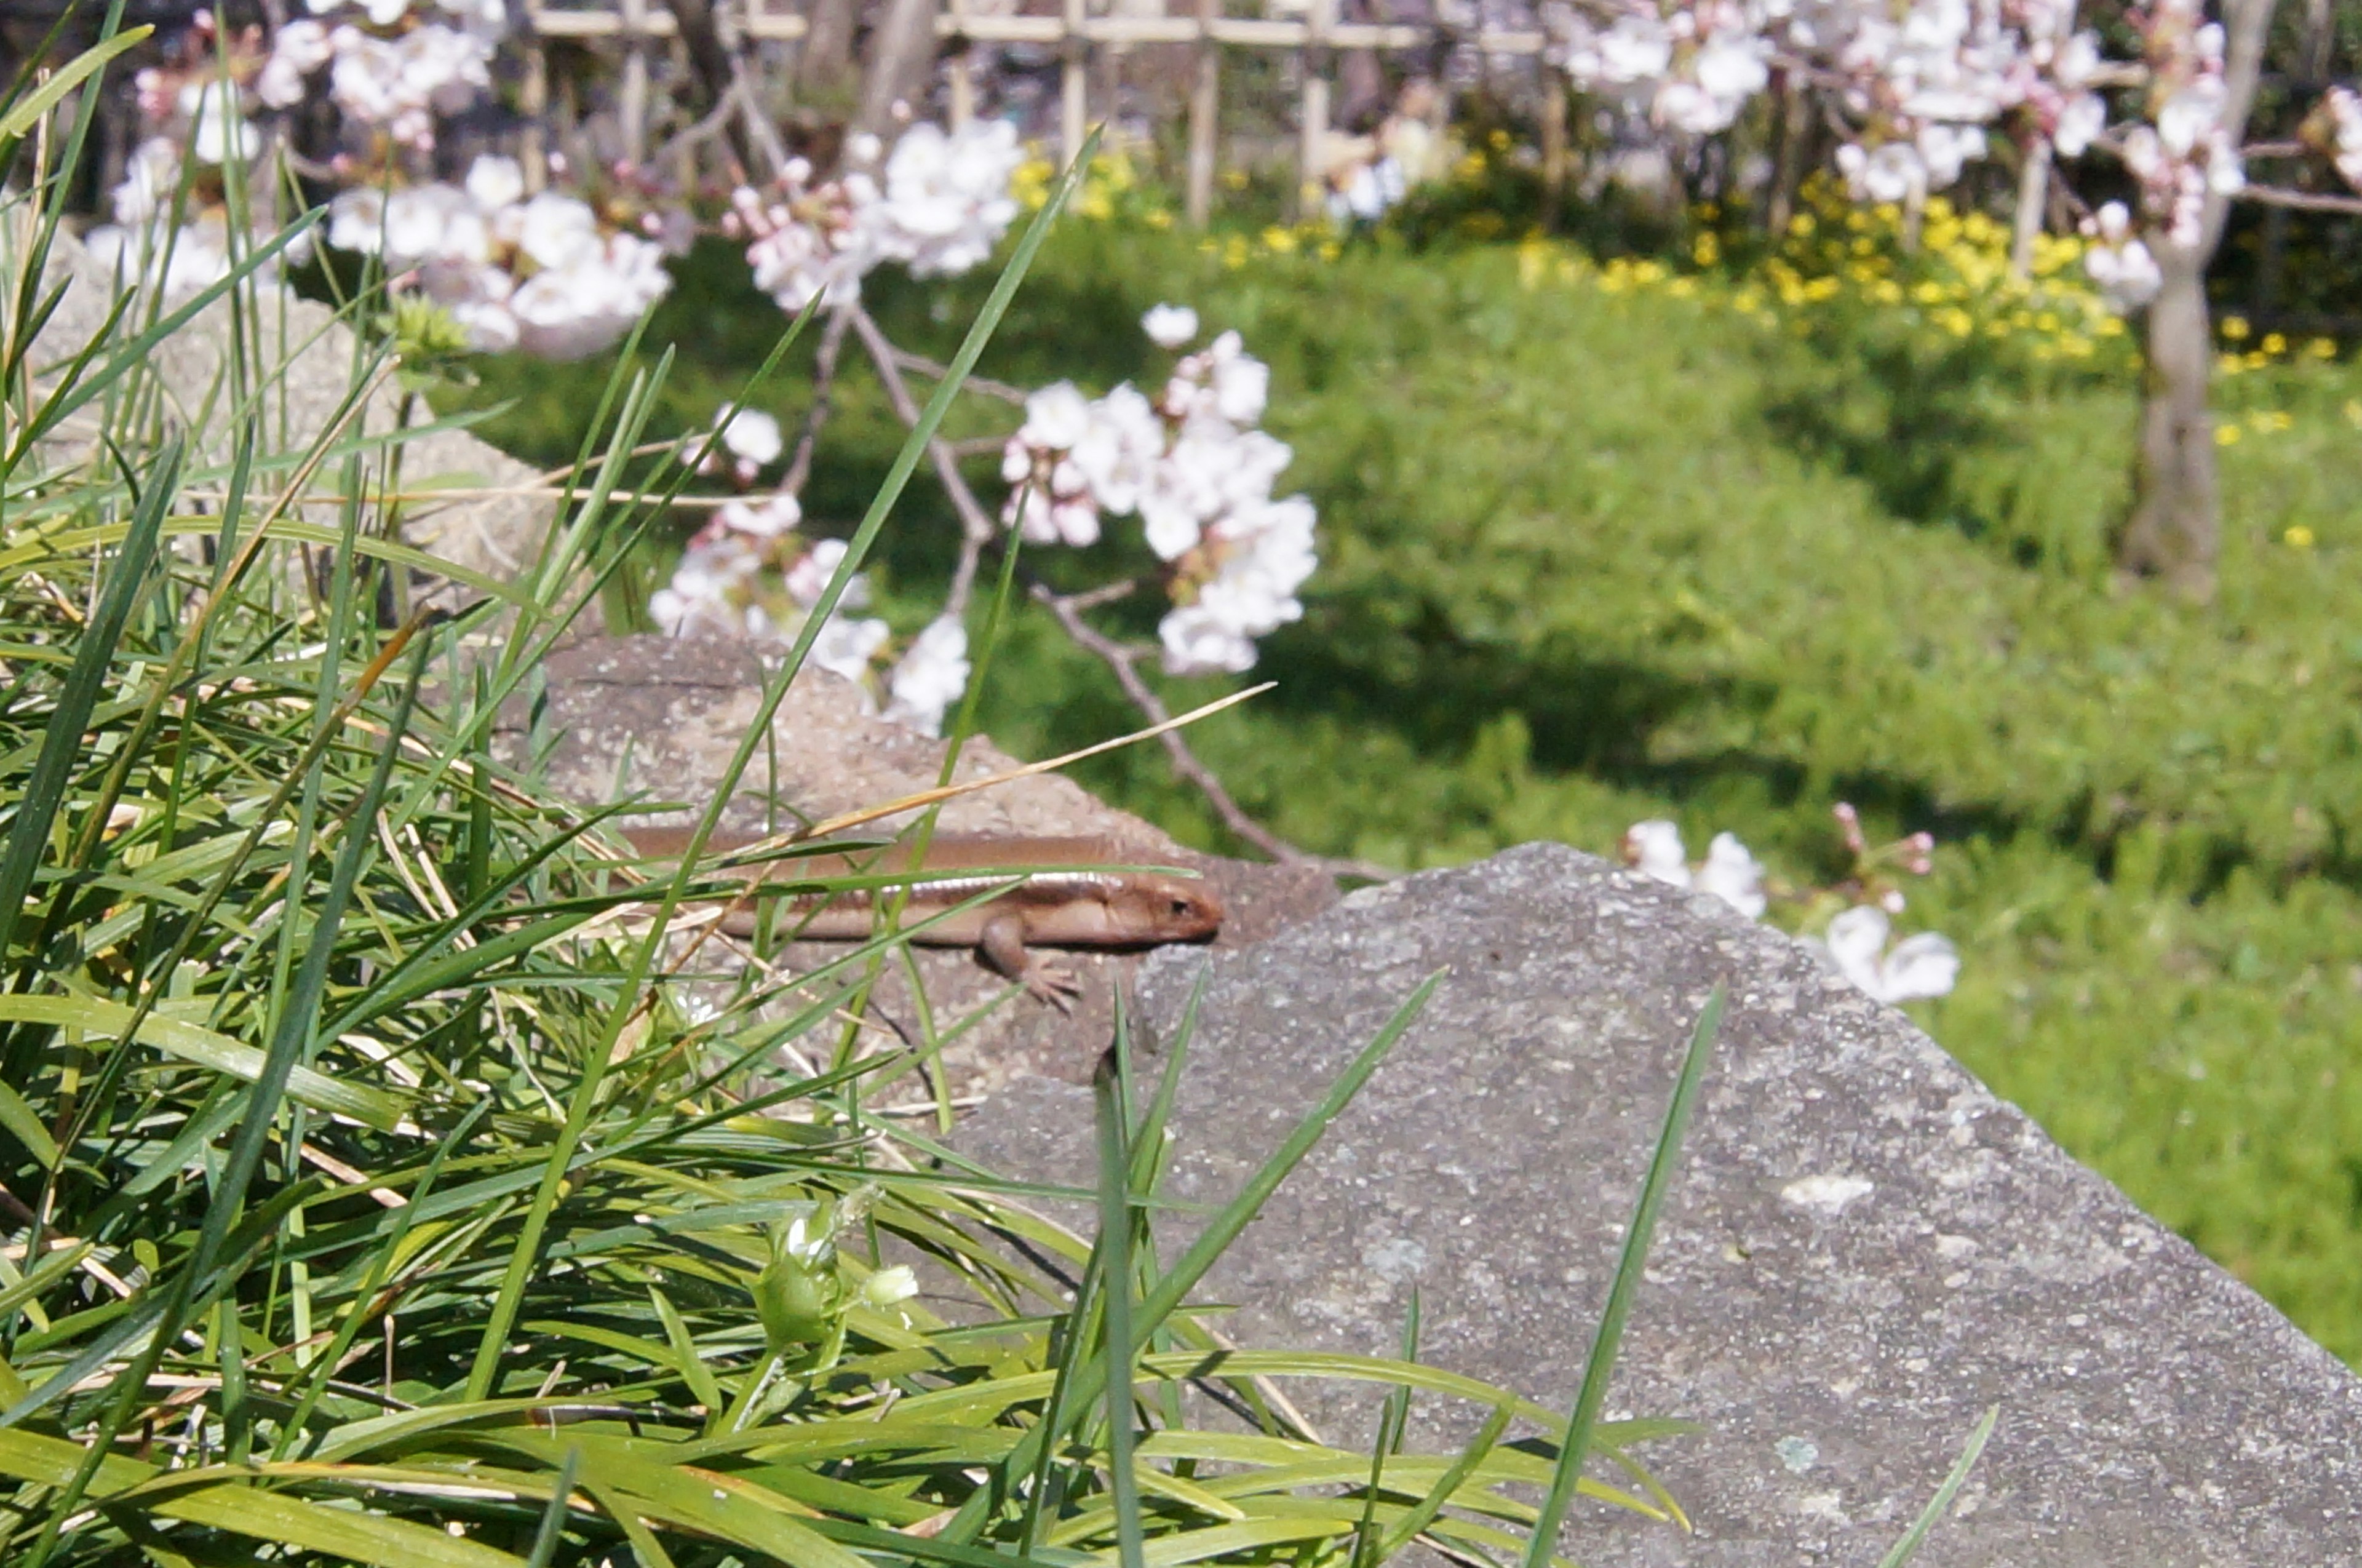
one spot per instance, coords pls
(1593, 553)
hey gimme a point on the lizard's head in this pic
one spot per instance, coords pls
(1151, 909)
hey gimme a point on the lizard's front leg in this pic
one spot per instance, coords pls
(1002, 947)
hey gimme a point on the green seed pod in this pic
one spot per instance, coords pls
(799, 1301)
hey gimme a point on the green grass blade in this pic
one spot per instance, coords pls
(553, 1517)
(61, 743)
(1627, 1283)
(1112, 1096)
(1225, 1226)
(42, 99)
(1908, 1547)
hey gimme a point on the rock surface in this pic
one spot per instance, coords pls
(661, 718)
(1863, 1248)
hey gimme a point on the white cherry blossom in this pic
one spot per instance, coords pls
(750, 435)
(1655, 849)
(930, 677)
(1916, 968)
(1169, 326)
(1732, 874)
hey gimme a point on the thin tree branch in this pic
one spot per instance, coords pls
(1124, 661)
(832, 343)
(976, 526)
(936, 373)
(2302, 201)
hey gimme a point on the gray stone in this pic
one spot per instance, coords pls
(1864, 1249)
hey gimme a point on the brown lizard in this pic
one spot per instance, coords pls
(1062, 904)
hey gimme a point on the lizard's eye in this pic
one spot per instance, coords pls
(1181, 907)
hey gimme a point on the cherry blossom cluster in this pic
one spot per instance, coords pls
(1918, 88)
(1858, 941)
(938, 204)
(392, 66)
(2182, 152)
(197, 137)
(1687, 68)
(1193, 466)
(749, 574)
(1922, 84)
(138, 244)
(539, 272)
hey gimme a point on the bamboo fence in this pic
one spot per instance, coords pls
(1079, 37)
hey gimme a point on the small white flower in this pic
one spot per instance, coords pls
(1655, 849)
(1920, 966)
(809, 577)
(494, 182)
(766, 519)
(846, 646)
(1732, 874)
(1170, 326)
(752, 435)
(929, 678)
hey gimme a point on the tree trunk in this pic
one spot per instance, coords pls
(2175, 531)
(901, 59)
(824, 66)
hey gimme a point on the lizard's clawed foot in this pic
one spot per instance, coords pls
(1053, 984)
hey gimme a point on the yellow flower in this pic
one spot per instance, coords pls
(2353, 412)
(1279, 242)
(2226, 436)
(1801, 225)
(2274, 344)
(2298, 537)
(2322, 348)
(1236, 179)
(2235, 328)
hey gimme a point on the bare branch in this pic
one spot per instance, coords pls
(1123, 660)
(832, 343)
(974, 518)
(2302, 201)
(936, 373)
